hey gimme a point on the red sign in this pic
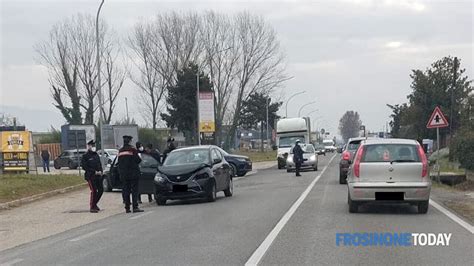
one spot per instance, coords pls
(437, 119)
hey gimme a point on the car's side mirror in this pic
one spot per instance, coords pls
(339, 150)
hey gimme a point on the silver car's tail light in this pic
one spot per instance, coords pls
(358, 157)
(424, 161)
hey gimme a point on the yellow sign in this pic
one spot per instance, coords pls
(15, 141)
(207, 127)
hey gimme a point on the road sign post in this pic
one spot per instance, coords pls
(437, 120)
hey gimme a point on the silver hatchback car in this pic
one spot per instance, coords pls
(389, 170)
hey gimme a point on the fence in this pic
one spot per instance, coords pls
(54, 150)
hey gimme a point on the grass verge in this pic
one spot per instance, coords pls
(257, 156)
(13, 187)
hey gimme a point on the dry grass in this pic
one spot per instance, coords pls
(16, 186)
(257, 156)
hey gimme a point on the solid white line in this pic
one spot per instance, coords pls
(141, 215)
(12, 262)
(88, 235)
(265, 245)
(453, 216)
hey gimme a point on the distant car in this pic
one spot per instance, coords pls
(110, 154)
(346, 157)
(148, 170)
(389, 171)
(320, 149)
(310, 158)
(69, 158)
(240, 165)
(193, 172)
(329, 145)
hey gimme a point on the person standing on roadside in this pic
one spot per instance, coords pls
(297, 157)
(129, 171)
(153, 152)
(92, 166)
(170, 147)
(141, 150)
(45, 160)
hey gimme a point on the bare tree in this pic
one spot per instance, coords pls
(58, 56)
(115, 74)
(147, 79)
(69, 55)
(221, 54)
(261, 63)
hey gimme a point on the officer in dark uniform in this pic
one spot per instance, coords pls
(92, 166)
(170, 147)
(298, 157)
(128, 161)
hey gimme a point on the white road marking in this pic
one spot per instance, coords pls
(265, 245)
(79, 238)
(12, 262)
(141, 215)
(452, 216)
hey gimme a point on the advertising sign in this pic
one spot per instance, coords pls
(206, 112)
(15, 141)
(15, 161)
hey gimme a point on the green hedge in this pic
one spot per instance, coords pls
(462, 148)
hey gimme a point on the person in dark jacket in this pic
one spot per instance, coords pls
(141, 150)
(170, 147)
(153, 152)
(92, 166)
(298, 157)
(129, 172)
(45, 159)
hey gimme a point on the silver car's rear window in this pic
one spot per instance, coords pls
(390, 153)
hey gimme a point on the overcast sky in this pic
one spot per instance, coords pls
(346, 54)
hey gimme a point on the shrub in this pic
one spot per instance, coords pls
(462, 148)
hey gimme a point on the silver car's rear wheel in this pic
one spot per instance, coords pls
(353, 206)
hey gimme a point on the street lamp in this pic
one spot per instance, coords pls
(286, 105)
(315, 110)
(301, 108)
(197, 97)
(101, 108)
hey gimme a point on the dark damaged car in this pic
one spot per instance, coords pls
(193, 172)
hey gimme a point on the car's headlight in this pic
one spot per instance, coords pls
(312, 158)
(289, 159)
(160, 178)
(241, 160)
(202, 174)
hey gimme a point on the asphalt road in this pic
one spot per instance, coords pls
(230, 231)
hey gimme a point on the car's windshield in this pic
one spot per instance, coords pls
(188, 156)
(306, 148)
(112, 152)
(289, 141)
(390, 153)
(353, 145)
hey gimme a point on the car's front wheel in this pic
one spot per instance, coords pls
(160, 201)
(211, 197)
(315, 168)
(230, 190)
(233, 170)
(56, 166)
(423, 207)
(72, 165)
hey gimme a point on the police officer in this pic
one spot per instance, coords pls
(92, 166)
(153, 152)
(297, 157)
(129, 172)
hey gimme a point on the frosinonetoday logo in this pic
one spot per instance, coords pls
(392, 239)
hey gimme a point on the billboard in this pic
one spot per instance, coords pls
(206, 112)
(15, 141)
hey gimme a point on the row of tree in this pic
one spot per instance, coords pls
(349, 125)
(444, 84)
(240, 54)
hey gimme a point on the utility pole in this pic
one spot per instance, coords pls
(268, 103)
(126, 108)
(197, 107)
(455, 70)
(99, 87)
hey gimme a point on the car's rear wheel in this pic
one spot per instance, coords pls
(233, 170)
(342, 178)
(72, 165)
(241, 174)
(160, 201)
(211, 197)
(288, 170)
(106, 184)
(56, 166)
(230, 190)
(423, 207)
(353, 206)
